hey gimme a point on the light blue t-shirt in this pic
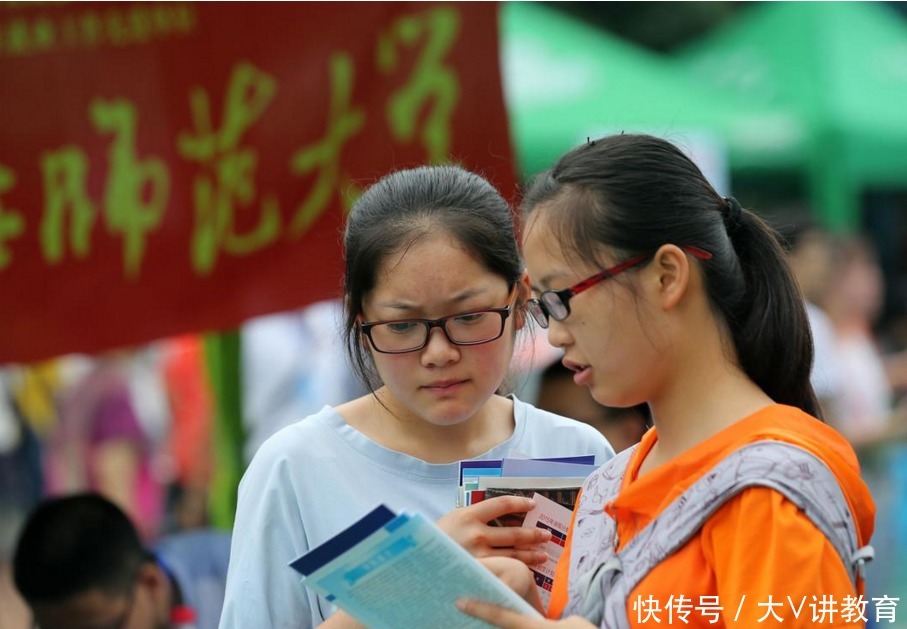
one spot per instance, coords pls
(314, 478)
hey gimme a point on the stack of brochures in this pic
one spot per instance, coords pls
(553, 484)
(559, 479)
(391, 571)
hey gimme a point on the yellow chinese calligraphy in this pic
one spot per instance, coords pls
(64, 172)
(227, 182)
(431, 81)
(11, 223)
(136, 194)
(344, 121)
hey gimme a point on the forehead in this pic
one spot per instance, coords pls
(435, 263)
(539, 235)
(546, 254)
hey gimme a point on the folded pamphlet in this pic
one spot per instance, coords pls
(390, 571)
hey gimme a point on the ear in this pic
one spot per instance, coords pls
(152, 575)
(155, 582)
(672, 269)
(363, 339)
(524, 292)
(357, 329)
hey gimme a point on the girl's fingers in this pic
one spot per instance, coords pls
(495, 615)
(509, 536)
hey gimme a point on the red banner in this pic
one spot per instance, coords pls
(175, 167)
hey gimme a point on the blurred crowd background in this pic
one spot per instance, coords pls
(814, 138)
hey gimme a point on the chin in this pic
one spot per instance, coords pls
(450, 414)
(611, 399)
(449, 419)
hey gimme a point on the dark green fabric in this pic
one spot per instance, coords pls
(838, 71)
(223, 358)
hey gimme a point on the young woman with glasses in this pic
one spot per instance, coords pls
(435, 293)
(738, 508)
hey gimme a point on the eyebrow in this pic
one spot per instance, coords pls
(545, 282)
(456, 299)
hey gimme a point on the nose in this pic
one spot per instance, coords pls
(439, 350)
(558, 335)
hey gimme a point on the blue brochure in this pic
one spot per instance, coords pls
(343, 541)
(402, 572)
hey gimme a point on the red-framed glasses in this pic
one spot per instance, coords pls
(556, 303)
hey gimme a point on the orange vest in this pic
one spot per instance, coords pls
(757, 556)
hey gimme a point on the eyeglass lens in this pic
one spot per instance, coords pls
(466, 329)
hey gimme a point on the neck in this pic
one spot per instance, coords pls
(708, 394)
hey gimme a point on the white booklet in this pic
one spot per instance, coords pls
(390, 571)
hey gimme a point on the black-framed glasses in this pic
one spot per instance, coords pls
(556, 303)
(472, 327)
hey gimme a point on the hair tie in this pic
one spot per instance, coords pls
(732, 214)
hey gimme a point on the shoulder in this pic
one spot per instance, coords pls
(763, 529)
(537, 424)
(306, 433)
(789, 425)
(780, 422)
(538, 419)
(291, 447)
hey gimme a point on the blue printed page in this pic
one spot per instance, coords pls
(530, 467)
(472, 470)
(345, 540)
(410, 574)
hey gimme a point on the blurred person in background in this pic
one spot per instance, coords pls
(189, 442)
(21, 487)
(865, 408)
(559, 394)
(293, 363)
(100, 445)
(810, 253)
(79, 563)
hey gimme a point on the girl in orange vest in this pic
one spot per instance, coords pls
(661, 291)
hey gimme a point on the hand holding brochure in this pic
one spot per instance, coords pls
(390, 571)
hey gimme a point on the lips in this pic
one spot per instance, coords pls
(582, 374)
(443, 385)
(574, 366)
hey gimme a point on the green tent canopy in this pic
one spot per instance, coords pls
(566, 81)
(839, 70)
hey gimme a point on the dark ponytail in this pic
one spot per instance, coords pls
(634, 193)
(769, 326)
